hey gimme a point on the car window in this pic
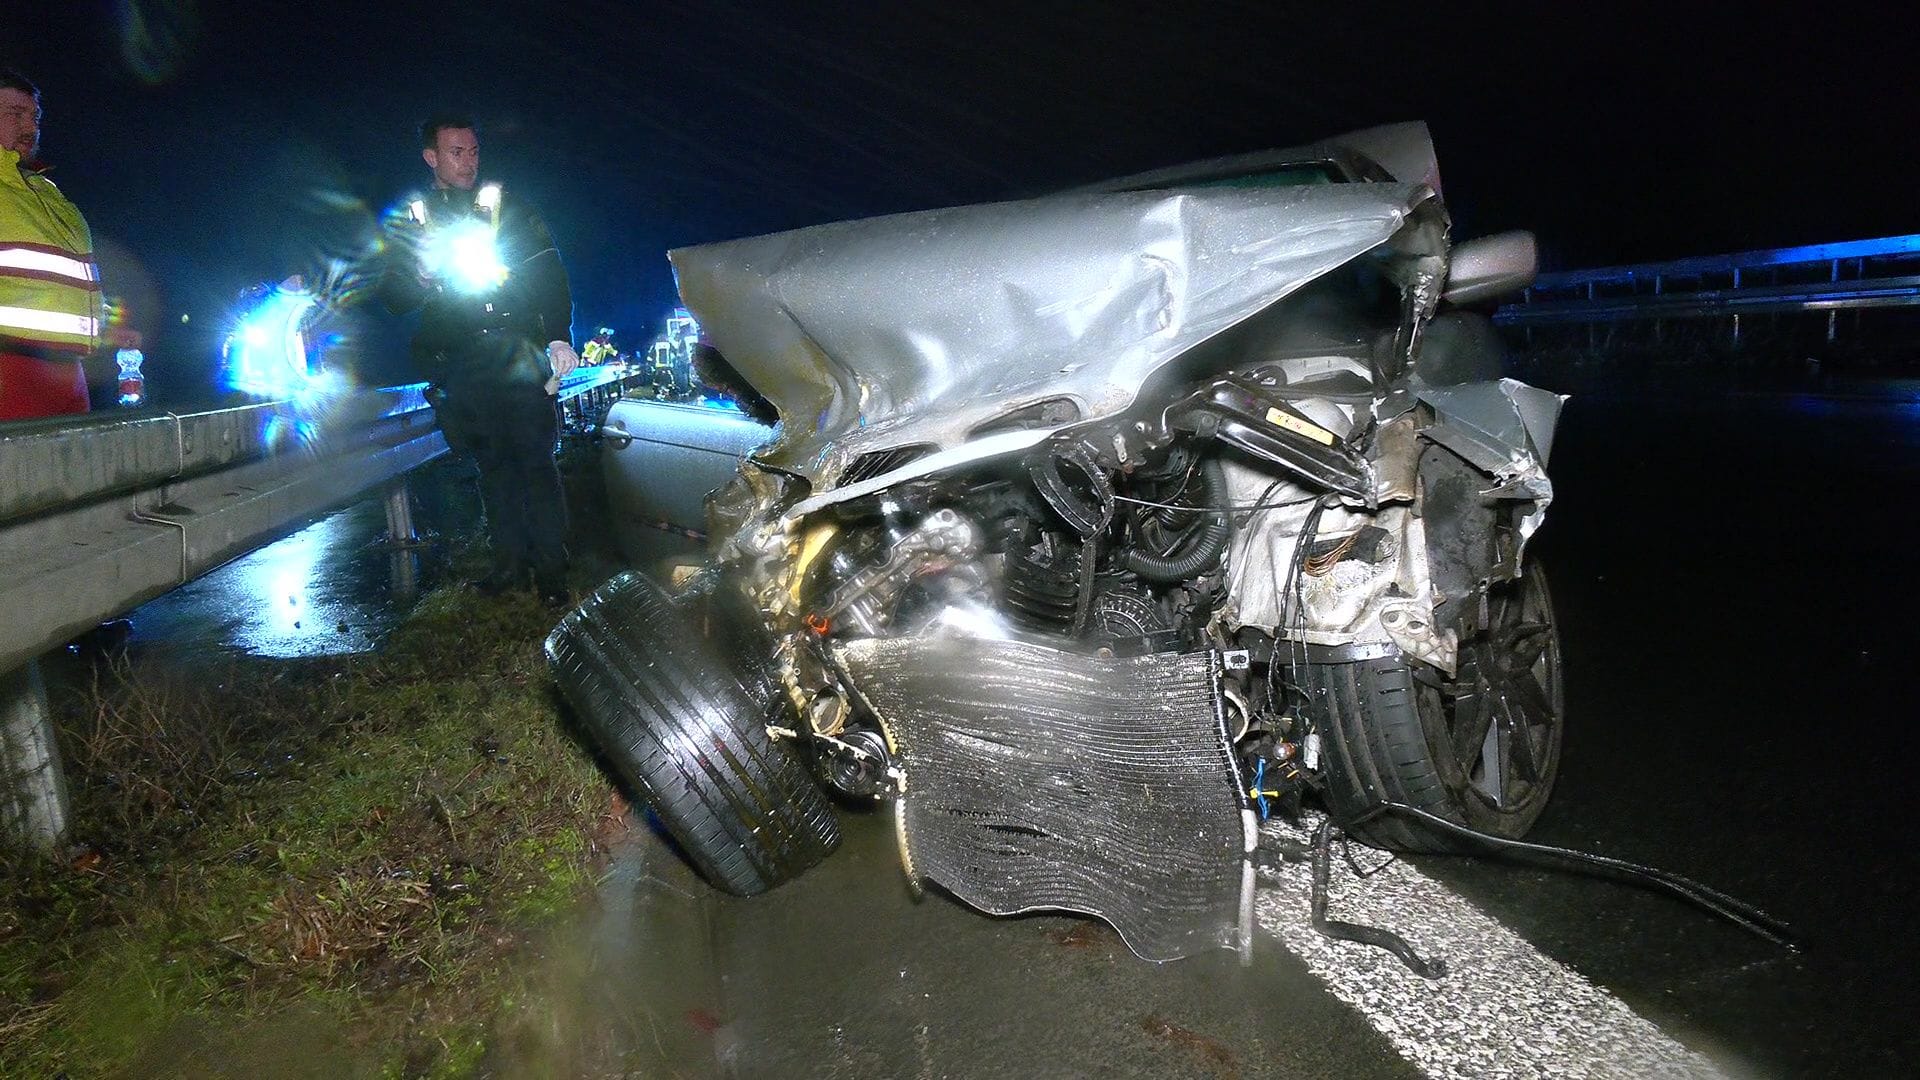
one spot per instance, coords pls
(1302, 174)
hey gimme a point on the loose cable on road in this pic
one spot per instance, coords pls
(1713, 901)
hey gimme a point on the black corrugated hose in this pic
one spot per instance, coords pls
(1200, 548)
(1378, 937)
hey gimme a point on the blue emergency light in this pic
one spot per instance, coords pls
(266, 354)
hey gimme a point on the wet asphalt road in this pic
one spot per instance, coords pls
(1733, 574)
(1732, 578)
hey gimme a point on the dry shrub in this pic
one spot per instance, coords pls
(152, 748)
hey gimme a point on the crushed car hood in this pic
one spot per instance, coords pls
(918, 330)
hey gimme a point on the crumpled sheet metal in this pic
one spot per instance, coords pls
(1044, 780)
(1504, 427)
(916, 329)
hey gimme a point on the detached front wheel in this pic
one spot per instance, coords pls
(1481, 748)
(685, 729)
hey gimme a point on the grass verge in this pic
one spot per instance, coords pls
(315, 867)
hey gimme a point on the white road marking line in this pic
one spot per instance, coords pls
(1503, 1010)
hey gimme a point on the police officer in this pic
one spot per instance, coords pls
(494, 339)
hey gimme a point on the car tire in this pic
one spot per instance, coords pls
(1481, 749)
(678, 724)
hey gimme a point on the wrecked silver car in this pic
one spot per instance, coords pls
(1096, 528)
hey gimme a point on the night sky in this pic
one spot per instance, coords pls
(216, 144)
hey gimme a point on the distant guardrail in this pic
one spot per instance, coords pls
(1854, 275)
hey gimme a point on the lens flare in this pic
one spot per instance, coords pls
(157, 37)
(466, 256)
(266, 355)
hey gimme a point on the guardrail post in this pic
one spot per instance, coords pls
(403, 573)
(400, 528)
(1659, 325)
(1859, 271)
(1736, 315)
(1833, 316)
(1592, 346)
(33, 798)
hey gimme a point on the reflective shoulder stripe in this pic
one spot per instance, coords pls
(38, 260)
(49, 322)
(51, 249)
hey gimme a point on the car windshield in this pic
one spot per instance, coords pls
(1300, 174)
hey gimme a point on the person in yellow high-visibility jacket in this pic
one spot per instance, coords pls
(51, 313)
(599, 349)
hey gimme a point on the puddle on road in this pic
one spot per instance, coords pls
(333, 588)
(329, 589)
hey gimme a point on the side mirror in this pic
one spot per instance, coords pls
(1491, 266)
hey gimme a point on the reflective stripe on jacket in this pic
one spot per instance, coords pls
(50, 303)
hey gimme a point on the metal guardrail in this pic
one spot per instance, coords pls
(45, 464)
(101, 513)
(1888, 247)
(1817, 278)
(587, 393)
